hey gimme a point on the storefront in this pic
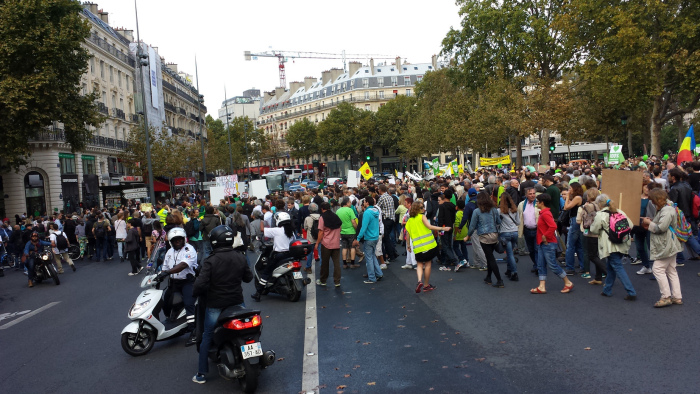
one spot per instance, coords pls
(34, 193)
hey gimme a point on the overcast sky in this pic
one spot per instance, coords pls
(219, 31)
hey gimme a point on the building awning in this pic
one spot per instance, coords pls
(160, 186)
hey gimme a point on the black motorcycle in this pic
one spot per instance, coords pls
(286, 278)
(43, 266)
(236, 347)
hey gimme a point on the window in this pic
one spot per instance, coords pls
(111, 74)
(408, 92)
(367, 107)
(104, 97)
(352, 84)
(67, 164)
(381, 94)
(406, 81)
(419, 78)
(102, 69)
(121, 104)
(84, 89)
(89, 165)
(393, 81)
(119, 77)
(366, 95)
(127, 82)
(34, 193)
(380, 82)
(114, 100)
(365, 83)
(92, 65)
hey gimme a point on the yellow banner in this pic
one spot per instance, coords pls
(493, 161)
(366, 171)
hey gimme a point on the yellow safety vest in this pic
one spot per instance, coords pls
(421, 236)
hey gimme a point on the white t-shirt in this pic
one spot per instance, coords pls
(174, 257)
(120, 228)
(279, 239)
(268, 218)
(52, 238)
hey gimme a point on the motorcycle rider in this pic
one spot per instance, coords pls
(220, 281)
(281, 236)
(180, 263)
(33, 246)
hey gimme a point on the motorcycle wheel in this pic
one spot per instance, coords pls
(249, 383)
(294, 294)
(74, 251)
(138, 346)
(54, 274)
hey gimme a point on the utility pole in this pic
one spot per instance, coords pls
(200, 99)
(245, 136)
(230, 155)
(143, 61)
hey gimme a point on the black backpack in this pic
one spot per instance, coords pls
(99, 229)
(190, 231)
(61, 242)
(314, 228)
(148, 228)
(244, 237)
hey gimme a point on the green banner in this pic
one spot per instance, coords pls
(88, 157)
(66, 155)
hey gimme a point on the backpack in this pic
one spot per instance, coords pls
(696, 205)
(148, 227)
(618, 228)
(682, 228)
(40, 228)
(61, 241)
(99, 229)
(314, 228)
(587, 216)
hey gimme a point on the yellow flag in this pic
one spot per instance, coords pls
(365, 171)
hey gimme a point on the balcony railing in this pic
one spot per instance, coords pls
(102, 108)
(182, 111)
(170, 107)
(134, 118)
(118, 113)
(53, 133)
(112, 50)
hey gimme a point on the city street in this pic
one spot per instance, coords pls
(463, 337)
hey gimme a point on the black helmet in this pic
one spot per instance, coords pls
(222, 236)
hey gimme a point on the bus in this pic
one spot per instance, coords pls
(293, 174)
(275, 180)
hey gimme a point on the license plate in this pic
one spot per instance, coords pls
(251, 350)
(297, 275)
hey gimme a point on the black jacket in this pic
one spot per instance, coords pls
(682, 195)
(446, 214)
(514, 194)
(221, 276)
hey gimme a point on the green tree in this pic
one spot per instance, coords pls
(301, 139)
(646, 49)
(41, 62)
(345, 131)
(392, 120)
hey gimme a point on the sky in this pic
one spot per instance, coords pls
(217, 32)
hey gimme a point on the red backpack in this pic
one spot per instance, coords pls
(696, 205)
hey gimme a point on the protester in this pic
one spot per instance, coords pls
(547, 247)
(484, 222)
(420, 232)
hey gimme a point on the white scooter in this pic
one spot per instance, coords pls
(139, 336)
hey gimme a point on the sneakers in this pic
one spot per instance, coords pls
(680, 264)
(586, 275)
(132, 274)
(140, 268)
(73, 267)
(319, 283)
(383, 266)
(483, 269)
(461, 264)
(308, 270)
(636, 261)
(337, 285)
(199, 379)
(369, 282)
(443, 268)
(570, 272)
(419, 287)
(644, 270)
(429, 288)
(407, 266)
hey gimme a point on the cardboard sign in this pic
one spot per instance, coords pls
(625, 189)
(353, 176)
(615, 156)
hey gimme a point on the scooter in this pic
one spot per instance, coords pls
(139, 336)
(236, 347)
(287, 278)
(43, 266)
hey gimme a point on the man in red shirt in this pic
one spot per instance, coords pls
(547, 247)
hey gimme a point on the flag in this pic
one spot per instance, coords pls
(365, 171)
(687, 147)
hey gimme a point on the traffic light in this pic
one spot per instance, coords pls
(552, 144)
(368, 153)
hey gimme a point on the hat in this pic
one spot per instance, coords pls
(472, 192)
(558, 175)
(480, 186)
(75, 217)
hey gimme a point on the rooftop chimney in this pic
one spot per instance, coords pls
(335, 73)
(128, 34)
(308, 81)
(267, 97)
(398, 64)
(294, 86)
(353, 67)
(325, 77)
(371, 66)
(92, 8)
(172, 67)
(279, 92)
(104, 16)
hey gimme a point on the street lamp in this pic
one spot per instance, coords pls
(143, 62)
(230, 155)
(623, 121)
(200, 100)
(245, 136)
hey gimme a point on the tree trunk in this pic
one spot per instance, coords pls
(544, 147)
(678, 120)
(629, 141)
(656, 126)
(518, 153)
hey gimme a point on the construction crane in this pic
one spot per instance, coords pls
(284, 56)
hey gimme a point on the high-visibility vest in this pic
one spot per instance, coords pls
(421, 236)
(162, 214)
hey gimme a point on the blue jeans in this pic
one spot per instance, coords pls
(511, 240)
(447, 250)
(109, 243)
(460, 248)
(640, 242)
(373, 270)
(206, 249)
(531, 242)
(574, 244)
(615, 270)
(547, 256)
(210, 317)
(310, 257)
(100, 249)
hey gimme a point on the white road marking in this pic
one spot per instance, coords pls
(28, 315)
(310, 380)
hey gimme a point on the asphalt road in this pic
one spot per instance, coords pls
(463, 337)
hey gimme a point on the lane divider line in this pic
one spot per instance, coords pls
(28, 315)
(310, 379)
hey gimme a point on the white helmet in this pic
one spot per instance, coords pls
(176, 232)
(282, 218)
